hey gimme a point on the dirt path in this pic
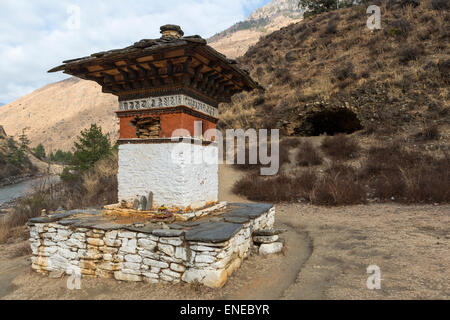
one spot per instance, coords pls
(327, 253)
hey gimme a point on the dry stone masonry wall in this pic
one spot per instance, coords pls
(207, 250)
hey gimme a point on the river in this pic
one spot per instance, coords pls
(14, 191)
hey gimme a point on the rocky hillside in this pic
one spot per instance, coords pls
(329, 73)
(276, 8)
(235, 40)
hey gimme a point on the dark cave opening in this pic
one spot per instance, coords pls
(331, 122)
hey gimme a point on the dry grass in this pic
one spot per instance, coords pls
(21, 250)
(383, 172)
(332, 57)
(340, 147)
(95, 188)
(308, 155)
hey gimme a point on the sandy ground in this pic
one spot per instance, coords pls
(328, 251)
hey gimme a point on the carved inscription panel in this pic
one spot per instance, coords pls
(169, 101)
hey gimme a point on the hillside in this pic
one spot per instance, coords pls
(18, 163)
(331, 74)
(56, 113)
(234, 41)
(14, 162)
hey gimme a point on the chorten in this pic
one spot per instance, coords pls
(168, 93)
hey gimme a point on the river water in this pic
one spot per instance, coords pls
(14, 191)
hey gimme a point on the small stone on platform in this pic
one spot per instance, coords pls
(270, 248)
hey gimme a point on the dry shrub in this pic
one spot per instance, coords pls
(400, 27)
(440, 4)
(258, 188)
(100, 183)
(290, 142)
(382, 160)
(340, 147)
(284, 146)
(23, 249)
(95, 188)
(330, 28)
(276, 188)
(407, 176)
(306, 182)
(344, 71)
(4, 232)
(429, 133)
(339, 186)
(308, 155)
(409, 52)
(28, 208)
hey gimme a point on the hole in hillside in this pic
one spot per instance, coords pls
(330, 122)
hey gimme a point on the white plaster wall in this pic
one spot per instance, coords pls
(170, 171)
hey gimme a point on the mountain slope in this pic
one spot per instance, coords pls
(234, 41)
(330, 73)
(56, 113)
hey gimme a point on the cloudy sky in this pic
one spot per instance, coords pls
(36, 35)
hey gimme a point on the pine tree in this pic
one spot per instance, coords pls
(39, 151)
(24, 141)
(92, 145)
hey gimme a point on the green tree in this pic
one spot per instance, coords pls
(39, 151)
(61, 156)
(16, 155)
(319, 6)
(92, 145)
(24, 141)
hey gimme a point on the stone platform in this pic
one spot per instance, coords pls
(93, 243)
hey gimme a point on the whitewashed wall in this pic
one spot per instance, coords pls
(170, 171)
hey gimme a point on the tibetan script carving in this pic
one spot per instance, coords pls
(169, 101)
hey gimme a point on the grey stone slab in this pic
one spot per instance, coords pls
(213, 232)
(107, 226)
(51, 218)
(249, 210)
(189, 224)
(89, 223)
(68, 222)
(239, 220)
(268, 232)
(145, 229)
(176, 226)
(167, 232)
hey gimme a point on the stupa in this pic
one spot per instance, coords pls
(168, 225)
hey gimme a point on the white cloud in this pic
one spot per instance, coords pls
(38, 35)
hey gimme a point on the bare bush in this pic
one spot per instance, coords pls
(429, 133)
(308, 155)
(408, 53)
(339, 186)
(340, 147)
(344, 71)
(407, 176)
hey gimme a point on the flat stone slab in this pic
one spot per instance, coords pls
(51, 218)
(213, 232)
(167, 232)
(247, 210)
(148, 228)
(270, 232)
(238, 220)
